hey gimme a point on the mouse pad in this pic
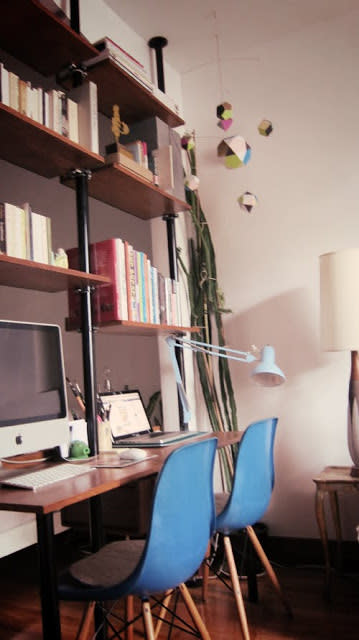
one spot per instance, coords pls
(115, 460)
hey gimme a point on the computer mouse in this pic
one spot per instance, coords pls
(134, 454)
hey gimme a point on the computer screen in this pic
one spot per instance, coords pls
(33, 407)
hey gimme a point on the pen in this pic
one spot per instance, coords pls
(78, 394)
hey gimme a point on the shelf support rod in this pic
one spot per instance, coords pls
(81, 180)
(75, 15)
(170, 220)
(158, 43)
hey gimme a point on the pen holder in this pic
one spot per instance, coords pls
(104, 435)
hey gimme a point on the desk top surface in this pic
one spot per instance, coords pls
(62, 494)
(336, 475)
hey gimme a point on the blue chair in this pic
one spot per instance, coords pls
(182, 523)
(253, 482)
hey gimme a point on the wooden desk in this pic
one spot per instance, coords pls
(46, 502)
(332, 481)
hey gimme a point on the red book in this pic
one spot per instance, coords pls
(109, 301)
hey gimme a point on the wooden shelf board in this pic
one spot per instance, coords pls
(136, 103)
(123, 189)
(33, 146)
(127, 327)
(26, 274)
(38, 38)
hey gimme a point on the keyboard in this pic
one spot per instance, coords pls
(44, 477)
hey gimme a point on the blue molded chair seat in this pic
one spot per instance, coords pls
(253, 482)
(181, 525)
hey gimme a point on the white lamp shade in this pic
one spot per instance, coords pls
(339, 300)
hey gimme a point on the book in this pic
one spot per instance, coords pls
(108, 260)
(163, 167)
(72, 112)
(86, 98)
(13, 90)
(4, 85)
(2, 228)
(157, 134)
(127, 162)
(166, 100)
(15, 232)
(130, 281)
(40, 237)
(109, 50)
(28, 231)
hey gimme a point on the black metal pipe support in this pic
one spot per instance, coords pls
(158, 43)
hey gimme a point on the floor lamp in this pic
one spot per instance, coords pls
(339, 320)
(265, 373)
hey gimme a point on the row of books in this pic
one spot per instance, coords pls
(133, 156)
(72, 115)
(110, 50)
(25, 234)
(137, 292)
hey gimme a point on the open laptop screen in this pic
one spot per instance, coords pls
(127, 413)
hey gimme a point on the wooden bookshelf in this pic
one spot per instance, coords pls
(38, 38)
(26, 274)
(33, 146)
(123, 189)
(136, 103)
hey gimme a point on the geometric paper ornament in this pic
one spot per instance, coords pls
(224, 113)
(235, 151)
(187, 142)
(225, 124)
(265, 127)
(247, 201)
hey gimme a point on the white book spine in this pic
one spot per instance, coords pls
(72, 110)
(15, 231)
(4, 85)
(122, 280)
(13, 90)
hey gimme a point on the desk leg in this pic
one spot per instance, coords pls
(51, 627)
(334, 505)
(322, 525)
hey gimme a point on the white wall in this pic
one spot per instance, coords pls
(305, 177)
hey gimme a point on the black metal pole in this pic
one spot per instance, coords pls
(173, 267)
(75, 15)
(158, 43)
(81, 178)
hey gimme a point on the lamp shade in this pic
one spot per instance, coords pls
(339, 300)
(267, 373)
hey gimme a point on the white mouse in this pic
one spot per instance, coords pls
(134, 454)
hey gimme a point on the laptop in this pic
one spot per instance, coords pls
(130, 426)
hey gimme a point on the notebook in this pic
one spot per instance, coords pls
(130, 426)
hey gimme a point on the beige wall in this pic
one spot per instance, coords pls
(305, 177)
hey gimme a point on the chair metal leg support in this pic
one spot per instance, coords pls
(193, 611)
(147, 620)
(236, 587)
(269, 569)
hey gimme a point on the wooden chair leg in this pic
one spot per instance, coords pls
(147, 620)
(129, 616)
(268, 567)
(163, 611)
(193, 611)
(236, 587)
(86, 621)
(205, 574)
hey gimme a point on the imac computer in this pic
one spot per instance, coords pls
(33, 405)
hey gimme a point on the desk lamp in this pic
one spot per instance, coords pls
(266, 373)
(339, 320)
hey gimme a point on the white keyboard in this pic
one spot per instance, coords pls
(43, 477)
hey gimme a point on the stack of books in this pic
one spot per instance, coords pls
(73, 115)
(24, 233)
(109, 50)
(137, 292)
(133, 156)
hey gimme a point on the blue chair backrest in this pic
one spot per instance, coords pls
(182, 521)
(253, 478)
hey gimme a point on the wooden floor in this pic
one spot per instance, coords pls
(314, 618)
